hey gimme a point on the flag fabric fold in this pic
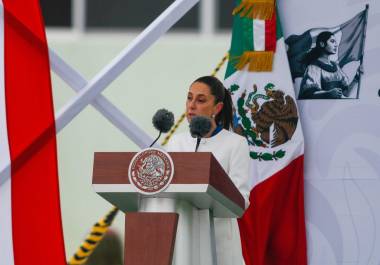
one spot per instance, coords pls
(272, 230)
(30, 218)
(255, 9)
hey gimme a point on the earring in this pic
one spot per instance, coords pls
(213, 116)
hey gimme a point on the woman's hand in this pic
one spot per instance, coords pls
(359, 72)
(335, 92)
(332, 93)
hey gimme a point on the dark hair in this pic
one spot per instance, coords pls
(221, 94)
(318, 50)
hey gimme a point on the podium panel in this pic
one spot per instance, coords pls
(151, 238)
(198, 178)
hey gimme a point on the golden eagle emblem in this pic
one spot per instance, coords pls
(269, 124)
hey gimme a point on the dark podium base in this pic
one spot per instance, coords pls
(150, 238)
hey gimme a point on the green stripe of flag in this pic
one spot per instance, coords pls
(242, 40)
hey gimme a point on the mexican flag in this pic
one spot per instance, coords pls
(30, 218)
(272, 229)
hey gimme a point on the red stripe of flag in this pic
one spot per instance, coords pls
(272, 229)
(36, 217)
(270, 33)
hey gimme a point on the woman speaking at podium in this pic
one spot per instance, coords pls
(208, 97)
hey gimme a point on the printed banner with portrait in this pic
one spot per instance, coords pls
(333, 49)
(326, 62)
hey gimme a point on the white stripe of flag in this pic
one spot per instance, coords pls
(259, 35)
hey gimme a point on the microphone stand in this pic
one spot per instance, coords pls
(198, 142)
(158, 137)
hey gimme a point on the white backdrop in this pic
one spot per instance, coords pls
(342, 146)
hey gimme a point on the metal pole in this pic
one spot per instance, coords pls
(130, 54)
(363, 42)
(207, 17)
(78, 17)
(102, 104)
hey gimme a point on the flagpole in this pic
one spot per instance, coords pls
(363, 43)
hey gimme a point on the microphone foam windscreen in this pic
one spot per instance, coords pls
(200, 126)
(163, 120)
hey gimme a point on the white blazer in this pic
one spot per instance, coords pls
(232, 152)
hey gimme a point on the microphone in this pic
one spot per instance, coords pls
(162, 120)
(199, 127)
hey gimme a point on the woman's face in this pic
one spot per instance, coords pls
(331, 46)
(200, 101)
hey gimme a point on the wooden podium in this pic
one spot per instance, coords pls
(151, 220)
